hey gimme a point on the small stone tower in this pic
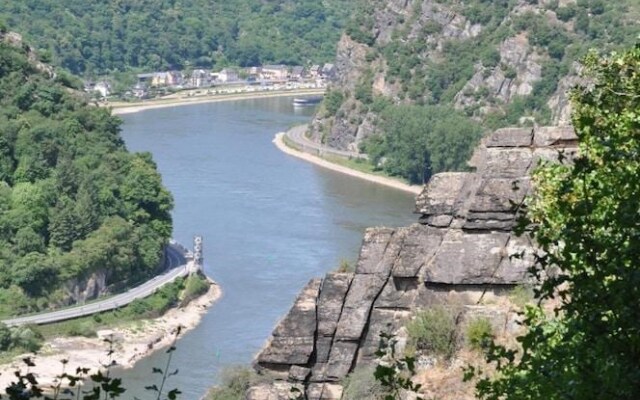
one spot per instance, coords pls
(198, 260)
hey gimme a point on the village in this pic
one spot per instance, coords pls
(226, 80)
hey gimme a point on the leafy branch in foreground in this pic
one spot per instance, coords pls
(100, 385)
(585, 219)
(394, 373)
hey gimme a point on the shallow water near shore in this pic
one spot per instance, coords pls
(270, 223)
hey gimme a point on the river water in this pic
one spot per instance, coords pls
(270, 223)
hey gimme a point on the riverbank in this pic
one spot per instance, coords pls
(381, 180)
(132, 342)
(119, 108)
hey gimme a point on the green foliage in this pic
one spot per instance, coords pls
(234, 383)
(82, 384)
(72, 199)
(434, 330)
(584, 217)
(394, 374)
(479, 334)
(361, 384)
(195, 286)
(332, 101)
(345, 266)
(521, 295)
(421, 141)
(97, 37)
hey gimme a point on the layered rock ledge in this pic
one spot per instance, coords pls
(459, 252)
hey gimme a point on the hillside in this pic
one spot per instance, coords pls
(78, 212)
(499, 63)
(97, 37)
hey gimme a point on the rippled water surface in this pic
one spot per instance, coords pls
(270, 223)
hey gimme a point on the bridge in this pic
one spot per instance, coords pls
(180, 263)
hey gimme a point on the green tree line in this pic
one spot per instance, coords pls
(72, 199)
(97, 37)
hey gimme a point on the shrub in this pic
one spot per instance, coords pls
(521, 295)
(433, 330)
(345, 266)
(83, 328)
(361, 384)
(195, 286)
(479, 334)
(235, 381)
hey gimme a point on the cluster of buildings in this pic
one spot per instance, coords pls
(267, 75)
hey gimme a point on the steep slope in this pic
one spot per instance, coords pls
(97, 37)
(502, 63)
(459, 256)
(75, 207)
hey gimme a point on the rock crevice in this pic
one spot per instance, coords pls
(458, 252)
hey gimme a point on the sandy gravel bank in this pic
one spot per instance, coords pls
(133, 343)
(127, 108)
(381, 180)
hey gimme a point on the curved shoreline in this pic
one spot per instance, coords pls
(381, 180)
(128, 108)
(132, 343)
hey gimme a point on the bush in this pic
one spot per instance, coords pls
(83, 328)
(235, 381)
(433, 330)
(345, 266)
(361, 384)
(479, 334)
(521, 295)
(195, 286)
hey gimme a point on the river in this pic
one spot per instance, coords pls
(270, 223)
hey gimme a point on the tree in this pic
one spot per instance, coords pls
(585, 219)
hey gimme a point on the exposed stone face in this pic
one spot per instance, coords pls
(488, 89)
(335, 323)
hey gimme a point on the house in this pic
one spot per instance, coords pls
(140, 91)
(145, 79)
(200, 78)
(275, 72)
(104, 88)
(175, 78)
(228, 75)
(314, 71)
(329, 71)
(297, 73)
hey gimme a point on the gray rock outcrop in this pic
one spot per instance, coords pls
(459, 251)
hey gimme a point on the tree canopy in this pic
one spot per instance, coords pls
(97, 37)
(72, 199)
(417, 142)
(585, 219)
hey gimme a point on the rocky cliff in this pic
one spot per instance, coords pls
(459, 253)
(503, 63)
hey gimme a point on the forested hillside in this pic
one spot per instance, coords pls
(95, 37)
(73, 201)
(492, 63)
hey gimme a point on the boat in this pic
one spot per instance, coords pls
(307, 101)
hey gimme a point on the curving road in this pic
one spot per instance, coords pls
(177, 266)
(298, 137)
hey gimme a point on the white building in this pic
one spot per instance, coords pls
(227, 75)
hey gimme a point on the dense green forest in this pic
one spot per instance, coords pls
(72, 199)
(96, 37)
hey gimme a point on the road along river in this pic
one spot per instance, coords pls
(270, 222)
